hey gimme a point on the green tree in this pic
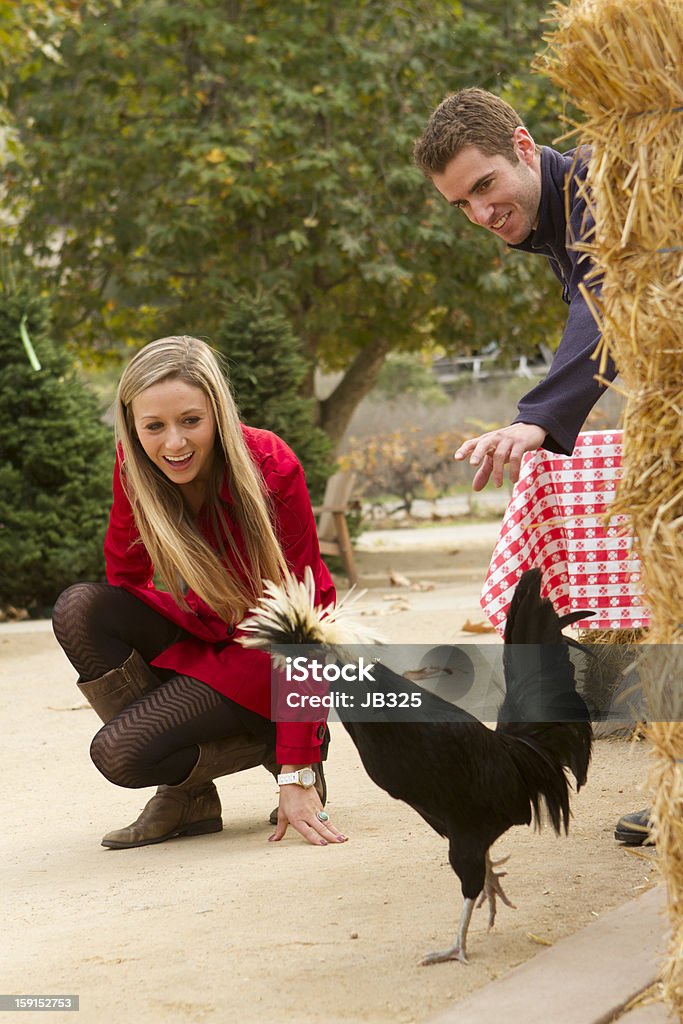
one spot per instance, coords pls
(36, 24)
(266, 369)
(219, 143)
(26, 28)
(55, 462)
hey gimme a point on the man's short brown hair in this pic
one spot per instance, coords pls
(471, 117)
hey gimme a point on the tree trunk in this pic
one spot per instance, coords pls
(336, 410)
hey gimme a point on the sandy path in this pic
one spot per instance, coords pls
(228, 927)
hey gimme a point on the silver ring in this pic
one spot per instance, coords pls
(322, 816)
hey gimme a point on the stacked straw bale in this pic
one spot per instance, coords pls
(621, 63)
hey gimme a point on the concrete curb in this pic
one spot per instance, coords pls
(587, 978)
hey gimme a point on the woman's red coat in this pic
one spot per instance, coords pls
(211, 652)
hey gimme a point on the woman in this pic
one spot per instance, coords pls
(213, 507)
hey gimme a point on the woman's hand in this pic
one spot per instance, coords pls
(300, 807)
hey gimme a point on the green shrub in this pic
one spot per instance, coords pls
(267, 370)
(56, 461)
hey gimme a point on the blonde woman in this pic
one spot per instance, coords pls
(212, 507)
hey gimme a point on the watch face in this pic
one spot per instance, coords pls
(307, 776)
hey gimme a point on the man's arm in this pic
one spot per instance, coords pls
(562, 401)
(551, 414)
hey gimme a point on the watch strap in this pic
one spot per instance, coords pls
(293, 778)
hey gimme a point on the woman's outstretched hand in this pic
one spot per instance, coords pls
(301, 808)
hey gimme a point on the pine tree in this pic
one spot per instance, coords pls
(55, 463)
(266, 369)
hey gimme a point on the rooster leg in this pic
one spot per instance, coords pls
(458, 950)
(493, 888)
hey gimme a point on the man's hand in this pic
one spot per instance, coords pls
(491, 452)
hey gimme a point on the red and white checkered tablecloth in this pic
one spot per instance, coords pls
(556, 521)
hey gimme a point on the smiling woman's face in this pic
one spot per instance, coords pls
(176, 427)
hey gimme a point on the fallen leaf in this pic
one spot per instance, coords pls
(478, 627)
(538, 940)
(397, 580)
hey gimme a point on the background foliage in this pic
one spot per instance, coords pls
(406, 464)
(170, 151)
(55, 463)
(266, 368)
(160, 157)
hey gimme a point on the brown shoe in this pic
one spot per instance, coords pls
(172, 811)
(193, 807)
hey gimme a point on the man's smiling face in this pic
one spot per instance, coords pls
(494, 193)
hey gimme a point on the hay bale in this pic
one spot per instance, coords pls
(605, 680)
(622, 66)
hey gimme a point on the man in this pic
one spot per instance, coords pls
(482, 159)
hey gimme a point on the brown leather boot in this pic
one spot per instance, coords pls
(193, 807)
(120, 687)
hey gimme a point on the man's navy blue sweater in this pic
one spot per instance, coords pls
(563, 399)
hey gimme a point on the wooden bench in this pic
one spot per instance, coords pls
(333, 531)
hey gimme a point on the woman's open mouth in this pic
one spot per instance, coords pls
(178, 462)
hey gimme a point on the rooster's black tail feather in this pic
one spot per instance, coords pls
(541, 705)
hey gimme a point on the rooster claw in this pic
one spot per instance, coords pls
(493, 888)
(441, 956)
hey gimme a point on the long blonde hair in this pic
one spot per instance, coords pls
(179, 552)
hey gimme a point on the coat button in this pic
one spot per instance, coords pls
(230, 631)
(320, 733)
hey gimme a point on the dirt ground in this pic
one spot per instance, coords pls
(230, 927)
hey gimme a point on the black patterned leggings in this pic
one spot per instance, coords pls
(155, 740)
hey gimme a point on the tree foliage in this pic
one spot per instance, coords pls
(266, 369)
(32, 25)
(174, 150)
(55, 463)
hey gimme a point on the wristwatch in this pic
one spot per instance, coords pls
(304, 777)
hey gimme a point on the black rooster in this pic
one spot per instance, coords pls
(469, 782)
